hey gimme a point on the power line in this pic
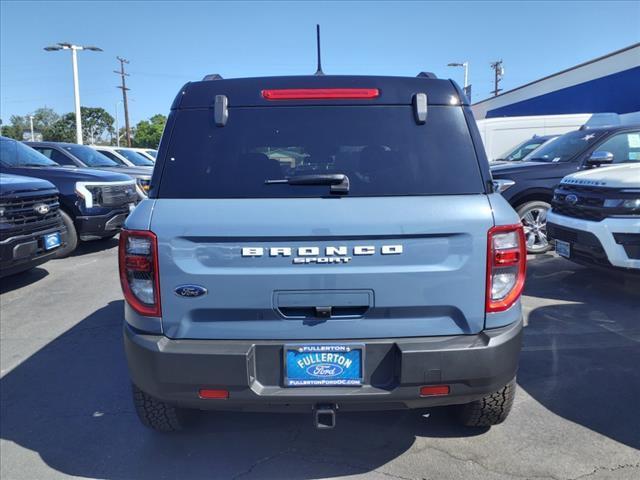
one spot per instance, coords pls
(124, 89)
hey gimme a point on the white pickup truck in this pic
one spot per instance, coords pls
(595, 217)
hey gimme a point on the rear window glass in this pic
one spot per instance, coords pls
(380, 148)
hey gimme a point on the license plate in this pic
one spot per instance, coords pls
(563, 248)
(51, 241)
(323, 365)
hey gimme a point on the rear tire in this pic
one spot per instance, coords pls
(533, 216)
(489, 410)
(72, 236)
(158, 415)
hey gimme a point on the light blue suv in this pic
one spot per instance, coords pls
(322, 244)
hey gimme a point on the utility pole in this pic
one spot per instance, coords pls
(124, 89)
(33, 137)
(498, 70)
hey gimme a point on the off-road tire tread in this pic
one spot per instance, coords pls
(491, 409)
(156, 414)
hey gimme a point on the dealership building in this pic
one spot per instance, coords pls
(608, 84)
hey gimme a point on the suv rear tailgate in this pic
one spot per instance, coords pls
(430, 280)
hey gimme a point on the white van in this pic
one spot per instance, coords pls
(595, 219)
(500, 135)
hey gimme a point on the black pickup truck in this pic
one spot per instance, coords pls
(31, 228)
(93, 203)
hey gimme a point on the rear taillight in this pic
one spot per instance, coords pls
(506, 266)
(138, 255)
(320, 93)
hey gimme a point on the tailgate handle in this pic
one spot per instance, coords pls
(322, 304)
(323, 312)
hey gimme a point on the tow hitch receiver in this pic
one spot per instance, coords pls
(324, 416)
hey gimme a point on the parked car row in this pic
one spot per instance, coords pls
(529, 184)
(55, 195)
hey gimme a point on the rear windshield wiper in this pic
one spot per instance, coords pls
(339, 181)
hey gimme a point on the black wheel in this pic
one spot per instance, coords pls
(533, 216)
(489, 410)
(72, 236)
(158, 415)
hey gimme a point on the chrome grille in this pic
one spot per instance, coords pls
(20, 215)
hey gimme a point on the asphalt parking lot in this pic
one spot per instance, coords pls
(66, 411)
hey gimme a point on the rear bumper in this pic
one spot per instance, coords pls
(472, 365)
(27, 251)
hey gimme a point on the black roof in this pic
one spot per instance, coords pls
(247, 92)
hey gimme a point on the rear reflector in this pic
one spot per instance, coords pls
(210, 394)
(320, 93)
(434, 390)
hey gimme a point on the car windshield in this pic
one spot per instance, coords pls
(381, 150)
(90, 157)
(153, 153)
(135, 158)
(17, 154)
(564, 148)
(522, 150)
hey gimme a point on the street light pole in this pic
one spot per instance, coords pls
(117, 125)
(466, 74)
(76, 84)
(33, 137)
(467, 87)
(76, 94)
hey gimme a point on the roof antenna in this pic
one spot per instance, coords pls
(319, 70)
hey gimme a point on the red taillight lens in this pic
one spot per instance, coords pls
(138, 258)
(320, 93)
(506, 266)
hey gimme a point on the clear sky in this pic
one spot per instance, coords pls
(169, 43)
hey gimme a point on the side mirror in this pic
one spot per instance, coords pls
(500, 186)
(599, 157)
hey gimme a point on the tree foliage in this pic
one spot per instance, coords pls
(148, 132)
(43, 119)
(97, 127)
(96, 123)
(64, 130)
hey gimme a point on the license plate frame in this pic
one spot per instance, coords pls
(51, 241)
(563, 248)
(296, 375)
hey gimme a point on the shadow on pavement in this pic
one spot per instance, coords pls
(93, 246)
(70, 403)
(19, 280)
(581, 355)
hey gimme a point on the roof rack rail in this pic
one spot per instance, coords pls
(212, 76)
(427, 75)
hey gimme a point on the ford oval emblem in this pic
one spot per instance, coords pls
(571, 199)
(41, 208)
(190, 291)
(325, 370)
